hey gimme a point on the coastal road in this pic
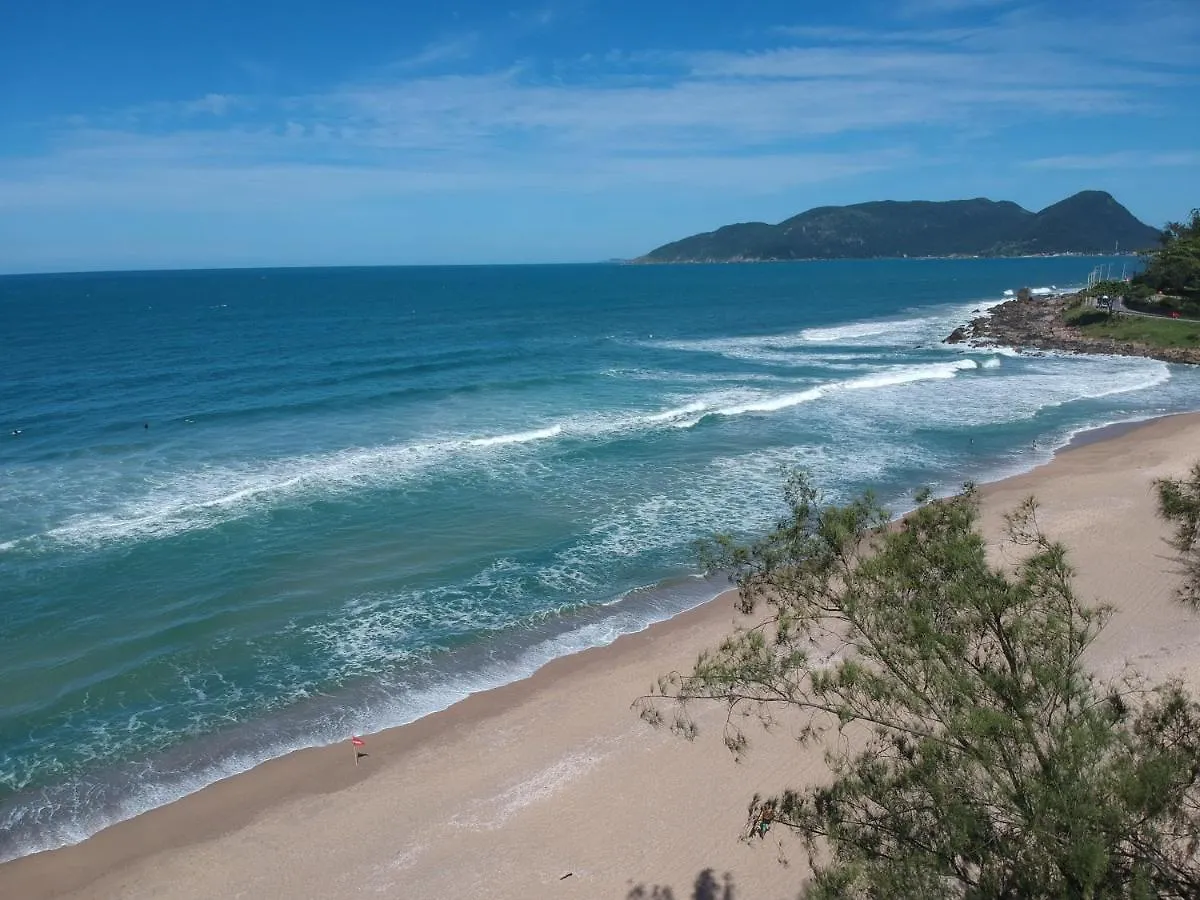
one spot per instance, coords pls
(1118, 306)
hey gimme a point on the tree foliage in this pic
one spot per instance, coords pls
(1179, 504)
(983, 759)
(1174, 268)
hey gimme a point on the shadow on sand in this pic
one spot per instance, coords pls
(706, 888)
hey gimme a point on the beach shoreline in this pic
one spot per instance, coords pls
(276, 803)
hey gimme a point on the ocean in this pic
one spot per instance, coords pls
(244, 512)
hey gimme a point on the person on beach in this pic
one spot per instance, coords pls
(761, 822)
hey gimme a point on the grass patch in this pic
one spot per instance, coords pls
(1152, 332)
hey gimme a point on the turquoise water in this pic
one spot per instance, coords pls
(250, 511)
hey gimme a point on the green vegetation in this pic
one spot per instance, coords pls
(1179, 504)
(1117, 288)
(1080, 316)
(1154, 332)
(983, 760)
(1174, 268)
(1088, 222)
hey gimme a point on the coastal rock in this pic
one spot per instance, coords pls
(1038, 324)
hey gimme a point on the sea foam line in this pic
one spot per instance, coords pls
(207, 497)
(794, 347)
(203, 499)
(895, 376)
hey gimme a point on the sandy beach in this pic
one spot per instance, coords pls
(553, 787)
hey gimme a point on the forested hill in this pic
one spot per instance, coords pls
(1088, 222)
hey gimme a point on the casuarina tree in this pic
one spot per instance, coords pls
(1179, 504)
(981, 758)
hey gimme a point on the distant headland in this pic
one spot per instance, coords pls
(1154, 313)
(1090, 222)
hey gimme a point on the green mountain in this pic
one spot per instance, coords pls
(1088, 222)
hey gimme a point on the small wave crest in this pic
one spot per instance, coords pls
(678, 412)
(209, 496)
(869, 337)
(520, 437)
(840, 333)
(895, 376)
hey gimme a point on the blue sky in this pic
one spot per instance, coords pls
(138, 134)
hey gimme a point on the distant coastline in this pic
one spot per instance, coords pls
(1086, 223)
(646, 261)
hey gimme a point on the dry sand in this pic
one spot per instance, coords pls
(553, 787)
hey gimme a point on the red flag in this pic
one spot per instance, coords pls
(357, 741)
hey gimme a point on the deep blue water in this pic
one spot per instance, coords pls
(249, 511)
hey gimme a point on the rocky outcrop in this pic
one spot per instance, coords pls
(1038, 324)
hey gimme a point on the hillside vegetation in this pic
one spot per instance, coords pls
(1088, 222)
(1173, 269)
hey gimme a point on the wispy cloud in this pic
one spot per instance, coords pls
(213, 104)
(539, 17)
(937, 7)
(1126, 159)
(843, 35)
(755, 119)
(447, 50)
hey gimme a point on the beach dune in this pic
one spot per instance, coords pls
(553, 787)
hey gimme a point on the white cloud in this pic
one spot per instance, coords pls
(231, 187)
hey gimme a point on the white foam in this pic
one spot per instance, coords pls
(891, 377)
(795, 348)
(909, 374)
(208, 496)
(706, 378)
(1016, 393)
(773, 404)
(520, 437)
(841, 333)
(739, 492)
(668, 415)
